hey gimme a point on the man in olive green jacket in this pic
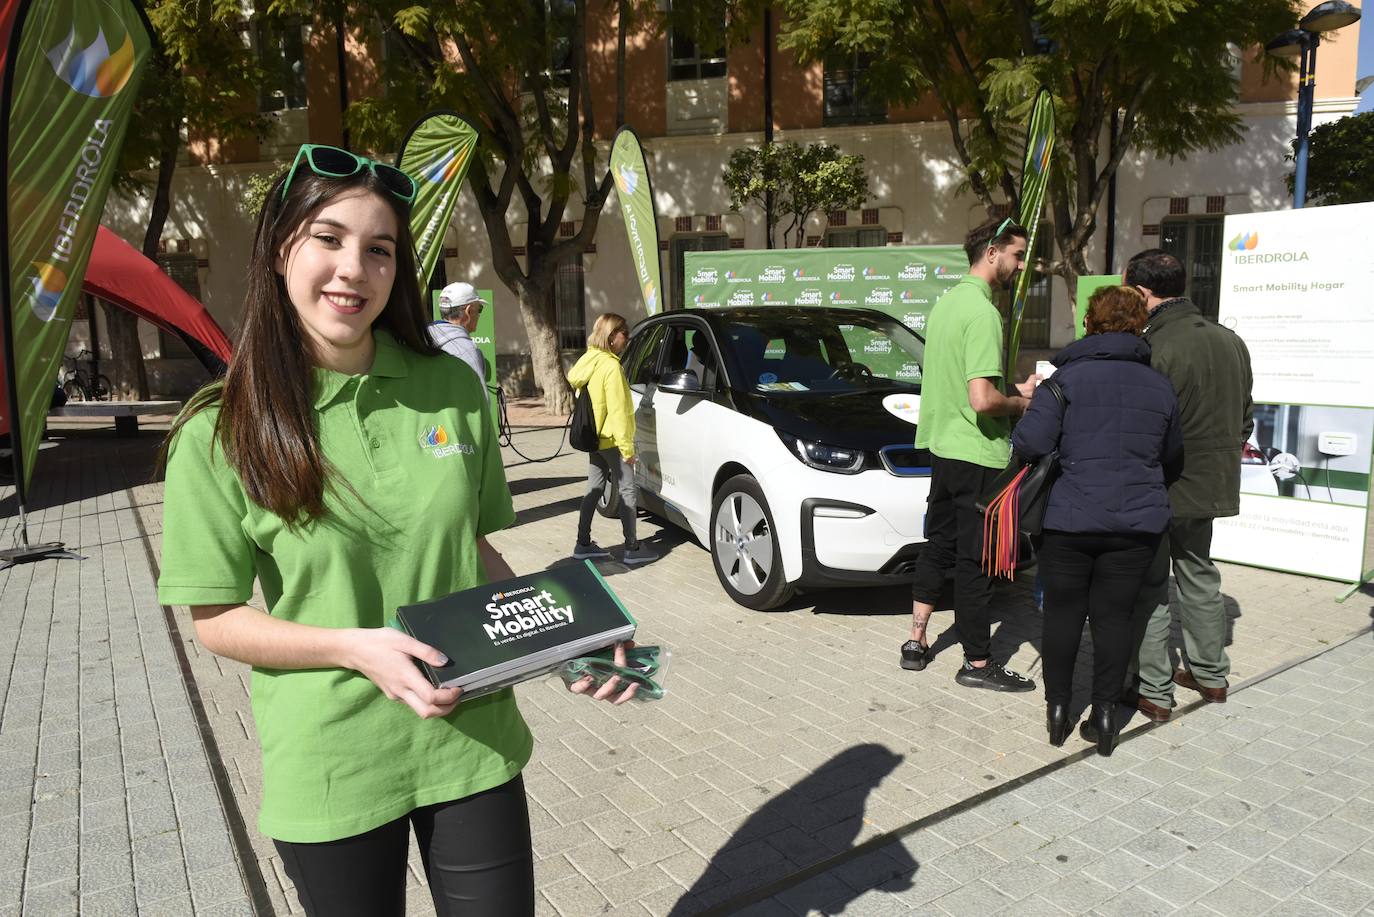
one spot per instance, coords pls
(1209, 367)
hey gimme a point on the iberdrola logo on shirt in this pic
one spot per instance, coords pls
(435, 440)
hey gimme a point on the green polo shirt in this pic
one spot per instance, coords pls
(414, 439)
(963, 343)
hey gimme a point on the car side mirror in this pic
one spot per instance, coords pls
(683, 382)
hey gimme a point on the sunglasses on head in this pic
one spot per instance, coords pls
(332, 162)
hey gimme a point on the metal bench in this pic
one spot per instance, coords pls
(125, 413)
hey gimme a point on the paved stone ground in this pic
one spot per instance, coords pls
(787, 739)
(1262, 805)
(107, 800)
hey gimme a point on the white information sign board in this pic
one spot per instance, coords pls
(1297, 288)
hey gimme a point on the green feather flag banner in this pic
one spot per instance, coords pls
(1035, 174)
(436, 153)
(636, 195)
(72, 70)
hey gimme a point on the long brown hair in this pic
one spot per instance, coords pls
(266, 423)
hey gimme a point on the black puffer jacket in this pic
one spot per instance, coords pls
(1118, 437)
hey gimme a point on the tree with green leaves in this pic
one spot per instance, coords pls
(802, 180)
(1162, 70)
(1340, 161)
(201, 79)
(518, 69)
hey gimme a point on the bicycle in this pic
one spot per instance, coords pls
(79, 385)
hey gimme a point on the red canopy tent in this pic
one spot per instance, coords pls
(119, 273)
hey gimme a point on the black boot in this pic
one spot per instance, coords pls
(1057, 722)
(1100, 727)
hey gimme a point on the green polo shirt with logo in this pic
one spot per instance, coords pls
(963, 343)
(414, 441)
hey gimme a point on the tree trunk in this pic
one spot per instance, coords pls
(545, 358)
(128, 376)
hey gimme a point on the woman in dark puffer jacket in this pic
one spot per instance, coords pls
(1119, 441)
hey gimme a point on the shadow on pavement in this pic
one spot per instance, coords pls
(815, 820)
(661, 542)
(529, 485)
(75, 465)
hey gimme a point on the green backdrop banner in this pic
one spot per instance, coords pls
(1035, 174)
(484, 337)
(901, 281)
(73, 71)
(636, 195)
(436, 153)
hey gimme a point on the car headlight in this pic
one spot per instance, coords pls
(838, 459)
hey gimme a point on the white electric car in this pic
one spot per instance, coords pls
(781, 437)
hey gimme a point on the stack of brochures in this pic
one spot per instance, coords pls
(510, 631)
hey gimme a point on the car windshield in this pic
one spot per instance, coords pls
(825, 352)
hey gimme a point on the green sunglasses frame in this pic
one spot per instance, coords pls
(307, 151)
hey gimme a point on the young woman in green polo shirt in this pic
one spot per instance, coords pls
(349, 469)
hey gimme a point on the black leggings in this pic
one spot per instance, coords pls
(1092, 577)
(477, 854)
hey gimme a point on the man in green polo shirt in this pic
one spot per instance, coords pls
(965, 423)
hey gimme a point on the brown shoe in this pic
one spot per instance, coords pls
(1152, 711)
(1184, 679)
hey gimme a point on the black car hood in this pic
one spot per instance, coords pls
(855, 420)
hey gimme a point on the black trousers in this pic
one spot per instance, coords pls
(954, 539)
(477, 854)
(1092, 577)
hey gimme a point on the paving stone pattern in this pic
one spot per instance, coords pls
(1262, 805)
(787, 739)
(107, 802)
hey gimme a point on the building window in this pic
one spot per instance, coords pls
(281, 53)
(1196, 241)
(680, 246)
(848, 97)
(686, 60)
(865, 237)
(559, 26)
(183, 269)
(570, 305)
(1035, 318)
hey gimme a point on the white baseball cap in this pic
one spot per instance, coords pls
(457, 295)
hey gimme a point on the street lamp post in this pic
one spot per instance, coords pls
(1302, 43)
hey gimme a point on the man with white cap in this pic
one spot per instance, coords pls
(460, 307)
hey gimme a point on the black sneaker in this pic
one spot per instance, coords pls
(914, 656)
(994, 677)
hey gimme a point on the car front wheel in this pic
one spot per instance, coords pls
(744, 546)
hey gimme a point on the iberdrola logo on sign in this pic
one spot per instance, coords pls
(1245, 242)
(1040, 159)
(93, 71)
(49, 283)
(627, 179)
(442, 168)
(650, 297)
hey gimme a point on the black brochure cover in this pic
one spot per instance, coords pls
(504, 632)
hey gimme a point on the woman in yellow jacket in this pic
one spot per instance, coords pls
(599, 371)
